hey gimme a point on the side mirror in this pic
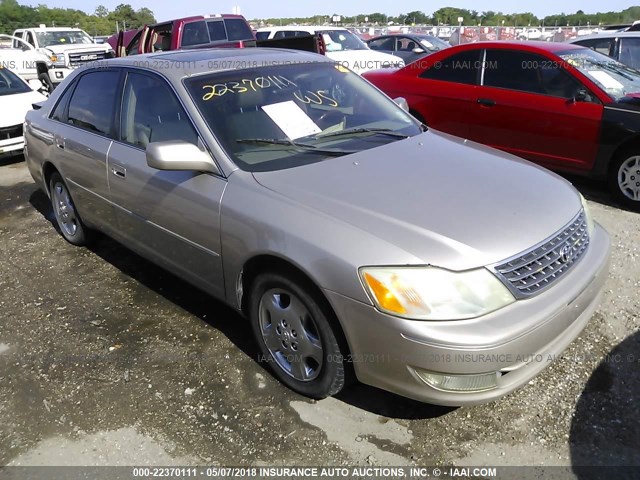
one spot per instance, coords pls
(179, 155)
(402, 103)
(418, 50)
(582, 96)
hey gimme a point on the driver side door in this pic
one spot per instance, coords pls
(170, 217)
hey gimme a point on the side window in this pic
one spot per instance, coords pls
(262, 35)
(16, 43)
(602, 45)
(630, 52)
(463, 67)
(132, 49)
(151, 113)
(92, 105)
(382, 44)
(406, 44)
(59, 112)
(237, 29)
(195, 33)
(217, 31)
(528, 73)
(29, 38)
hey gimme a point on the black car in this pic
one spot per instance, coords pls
(409, 47)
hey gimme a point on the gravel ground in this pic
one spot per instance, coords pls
(106, 359)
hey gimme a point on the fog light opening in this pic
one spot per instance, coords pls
(459, 383)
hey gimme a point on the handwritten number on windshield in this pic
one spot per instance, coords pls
(245, 85)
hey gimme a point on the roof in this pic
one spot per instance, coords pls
(552, 47)
(301, 28)
(202, 17)
(607, 34)
(52, 29)
(210, 60)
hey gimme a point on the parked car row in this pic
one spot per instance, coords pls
(357, 242)
(563, 106)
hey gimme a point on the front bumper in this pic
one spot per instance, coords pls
(11, 145)
(517, 341)
(58, 74)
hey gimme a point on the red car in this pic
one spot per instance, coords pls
(562, 106)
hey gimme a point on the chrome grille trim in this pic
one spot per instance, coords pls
(76, 59)
(530, 272)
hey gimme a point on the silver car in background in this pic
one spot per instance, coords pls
(353, 240)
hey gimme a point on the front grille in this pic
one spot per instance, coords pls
(14, 131)
(529, 273)
(80, 58)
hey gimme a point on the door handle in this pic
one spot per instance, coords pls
(119, 171)
(60, 143)
(487, 102)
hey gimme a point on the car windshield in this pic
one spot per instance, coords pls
(284, 116)
(336, 40)
(10, 83)
(613, 77)
(62, 37)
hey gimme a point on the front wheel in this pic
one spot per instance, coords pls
(47, 84)
(69, 223)
(295, 335)
(624, 179)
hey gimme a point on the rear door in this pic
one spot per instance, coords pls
(171, 217)
(83, 127)
(526, 106)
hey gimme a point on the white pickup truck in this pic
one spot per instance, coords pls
(68, 48)
(24, 60)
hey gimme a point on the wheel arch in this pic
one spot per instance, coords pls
(263, 263)
(628, 144)
(48, 169)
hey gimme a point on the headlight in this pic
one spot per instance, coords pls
(429, 293)
(58, 60)
(587, 215)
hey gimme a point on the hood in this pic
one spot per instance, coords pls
(364, 60)
(86, 47)
(450, 202)
(15, 107)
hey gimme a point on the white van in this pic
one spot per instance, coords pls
(342, 46)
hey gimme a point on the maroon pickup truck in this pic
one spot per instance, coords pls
(207, 31)
(221, 30)
(204, 31)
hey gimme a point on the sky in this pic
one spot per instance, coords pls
(256, 9)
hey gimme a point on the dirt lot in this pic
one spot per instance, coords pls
(107, 360)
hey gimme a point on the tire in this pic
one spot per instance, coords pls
(46, 82)
(68, 221)
(624, 179)
(294, 333)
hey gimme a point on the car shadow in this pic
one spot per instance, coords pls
(596, 191)
(387, 404)
(10, 158)
(229, 322)
(605, 430)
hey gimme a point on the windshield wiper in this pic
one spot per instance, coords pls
(300, 146)
(356, 131)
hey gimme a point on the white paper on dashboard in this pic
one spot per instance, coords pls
(291, 119)
(606, 80)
